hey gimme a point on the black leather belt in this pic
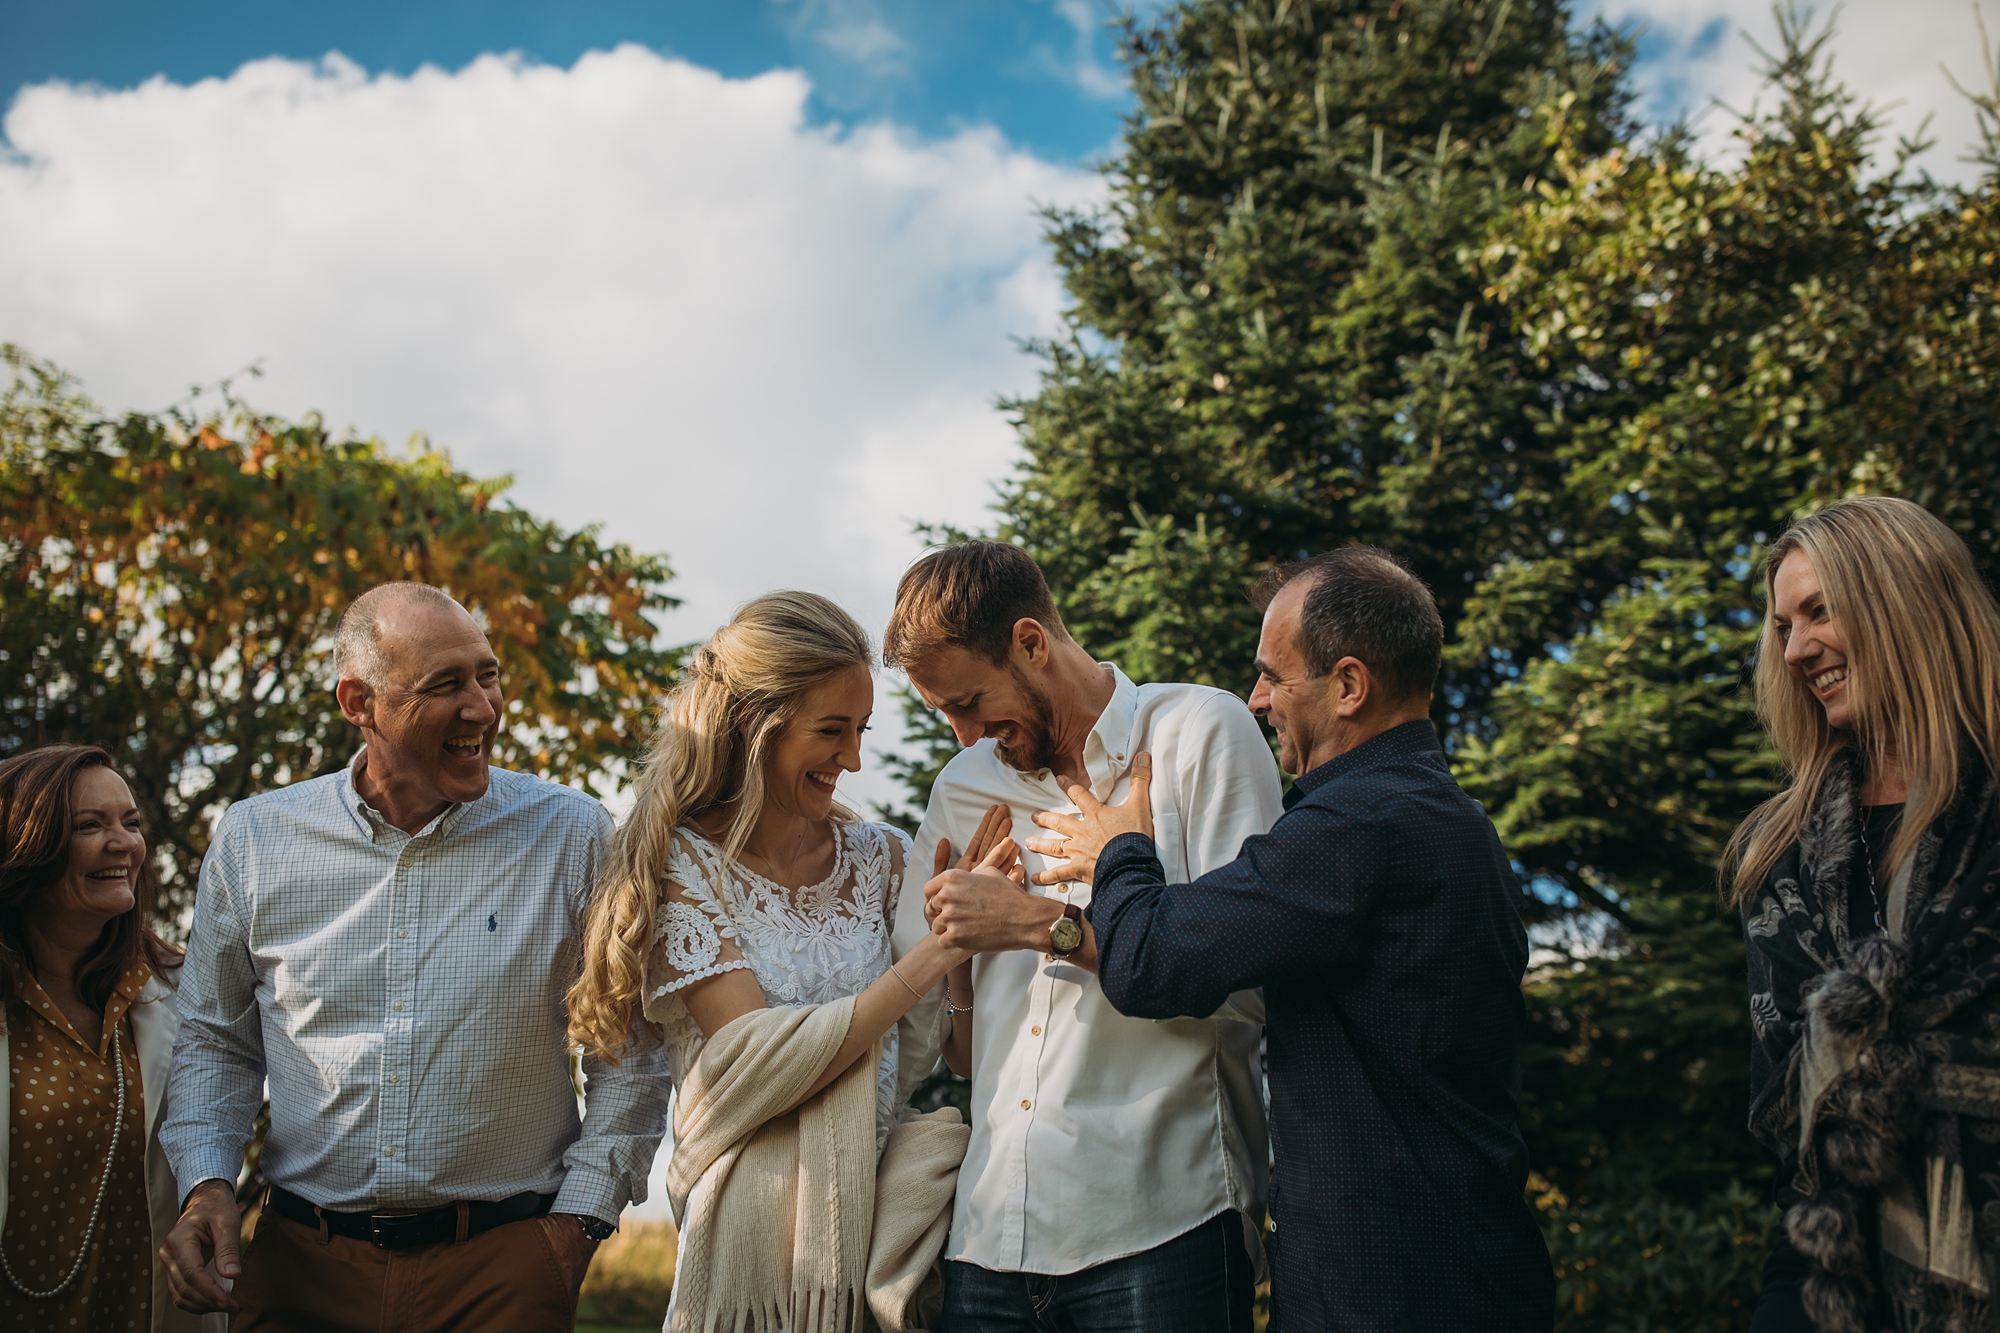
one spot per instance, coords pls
(400, 1231)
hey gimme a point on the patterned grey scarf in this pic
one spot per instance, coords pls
(1876, 1068)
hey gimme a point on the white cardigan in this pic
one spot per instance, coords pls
(155, 1022)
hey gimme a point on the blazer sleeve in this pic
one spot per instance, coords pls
(1294, 902)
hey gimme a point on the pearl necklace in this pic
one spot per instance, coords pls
(97, 1207)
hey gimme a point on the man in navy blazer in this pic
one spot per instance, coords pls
(1382, 919)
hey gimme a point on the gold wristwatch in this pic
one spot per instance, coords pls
(1066, 932)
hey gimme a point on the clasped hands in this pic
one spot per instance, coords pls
(982, 905)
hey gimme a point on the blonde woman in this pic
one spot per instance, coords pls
(746, 916)
(1870, 893)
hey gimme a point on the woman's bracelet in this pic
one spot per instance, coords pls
(951, 1007)
(912, 989)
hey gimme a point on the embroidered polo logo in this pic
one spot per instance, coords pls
(491, 924)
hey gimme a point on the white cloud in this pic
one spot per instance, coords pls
(852, 30)
(1080, 65)
(660, 298)
(1887, 51)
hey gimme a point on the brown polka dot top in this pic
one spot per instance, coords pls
(61, 1103)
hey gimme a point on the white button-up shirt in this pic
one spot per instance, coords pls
(405, 996)
(1094, 1135)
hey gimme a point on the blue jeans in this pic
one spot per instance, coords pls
(1198, 1282)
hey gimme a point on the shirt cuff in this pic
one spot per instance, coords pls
(206, 1166)
(588, 1194)
(1127, 851)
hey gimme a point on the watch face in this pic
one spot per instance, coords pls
(1065, 935)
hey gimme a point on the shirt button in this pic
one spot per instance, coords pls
(395, 1078)
(1035, 1031)
(1024, 1103)
(399, 1006)
(402, 934)
(390, 1151)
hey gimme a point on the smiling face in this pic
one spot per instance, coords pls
(107, 849)
(432, 721)
(1288, 696)
(1814, 650)
(819, 743)
(982, 699)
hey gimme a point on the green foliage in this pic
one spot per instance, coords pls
(1732, 347)
(1278, 337)
(1641, 1262)
(1178, 594)
(170, 584)
(928, 745)
(1636, 1064)
(1400, 271)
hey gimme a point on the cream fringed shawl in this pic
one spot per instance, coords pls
(781, 1235)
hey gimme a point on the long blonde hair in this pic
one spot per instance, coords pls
(739, 691)
(1922, 640)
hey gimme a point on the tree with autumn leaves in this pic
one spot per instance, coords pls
(170, 583)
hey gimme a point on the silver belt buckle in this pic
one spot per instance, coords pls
(394, 1231)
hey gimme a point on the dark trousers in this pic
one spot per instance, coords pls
(507, 1280)
(1198, 1282)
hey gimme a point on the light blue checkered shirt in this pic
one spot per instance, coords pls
(404, 995)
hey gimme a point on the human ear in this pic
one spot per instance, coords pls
(356, 700)
(1350, 686)
(1031, 641)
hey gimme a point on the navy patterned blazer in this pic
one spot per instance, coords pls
(1381, 917)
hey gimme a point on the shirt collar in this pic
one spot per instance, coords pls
(1107, 750)
(1115, 725)
(371, 820)
(1395, 743)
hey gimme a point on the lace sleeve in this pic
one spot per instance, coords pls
(900, 849)
(693, 938)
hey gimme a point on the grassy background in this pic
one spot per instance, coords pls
(629, 1280)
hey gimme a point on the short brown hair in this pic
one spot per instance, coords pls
(968, 595)
(1365, 603)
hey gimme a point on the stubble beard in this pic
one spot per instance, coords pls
(1034, 748)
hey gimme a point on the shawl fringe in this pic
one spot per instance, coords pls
(788, 1220)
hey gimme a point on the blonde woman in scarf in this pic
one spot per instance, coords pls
(1870, 893)
(745, 916)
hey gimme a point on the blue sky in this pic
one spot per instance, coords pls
(744, 291)
(1040, 70)
(1043, 72)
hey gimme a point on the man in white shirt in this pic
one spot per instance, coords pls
(1116, 1177)
(390, 946)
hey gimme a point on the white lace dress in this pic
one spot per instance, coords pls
(804, 946)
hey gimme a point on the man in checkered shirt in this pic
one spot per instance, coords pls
(389, 945)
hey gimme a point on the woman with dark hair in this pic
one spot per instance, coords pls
(86, 1197)
(1870, 894)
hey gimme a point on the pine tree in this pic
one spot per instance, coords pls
(1278, 341)
(1403, 273)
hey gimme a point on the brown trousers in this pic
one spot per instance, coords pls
(507, 1280)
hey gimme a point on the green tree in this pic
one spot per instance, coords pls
(1277, 339)
(169, 585)
(1403, 272)
(927, 746)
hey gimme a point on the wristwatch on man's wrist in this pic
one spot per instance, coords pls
(1066, 932)
(596, 1228)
